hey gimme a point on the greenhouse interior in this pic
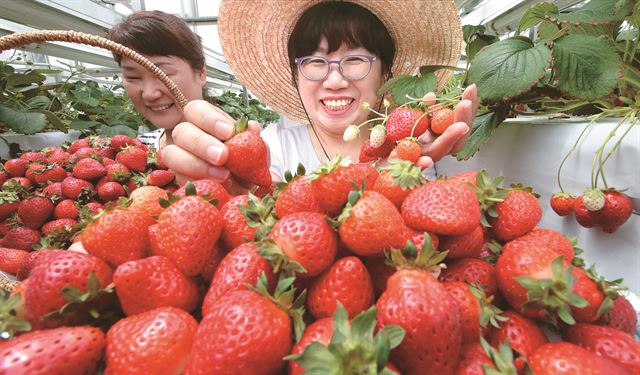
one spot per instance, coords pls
(191, 187)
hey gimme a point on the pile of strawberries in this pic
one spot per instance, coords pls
(350, 269)
(606, 209)
(43, 192)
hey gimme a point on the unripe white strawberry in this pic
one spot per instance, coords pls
(593, 199)
(378, 136)
(351, 133)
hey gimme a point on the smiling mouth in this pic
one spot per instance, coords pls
(160, 107)
(337, 105)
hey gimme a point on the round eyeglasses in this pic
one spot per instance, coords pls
(352, 67)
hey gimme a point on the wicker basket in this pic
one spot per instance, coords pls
(15, 40)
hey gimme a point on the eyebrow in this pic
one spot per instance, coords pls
(130, 68)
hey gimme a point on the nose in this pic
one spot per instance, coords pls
(152, 89)
(335, 79)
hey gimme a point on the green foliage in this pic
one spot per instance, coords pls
(234, 104)
(29, 104)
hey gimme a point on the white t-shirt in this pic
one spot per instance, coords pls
(290, 145)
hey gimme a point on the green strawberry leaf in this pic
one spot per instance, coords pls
(508, 68)
(39, 102)
(599, 11)
(536, 14)
(481, 130)
(83, 125)
(587, 67)
(53, 120)
(405, 87)
(22, 122)
(23, 79)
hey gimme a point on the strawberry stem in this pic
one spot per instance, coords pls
(571, 150)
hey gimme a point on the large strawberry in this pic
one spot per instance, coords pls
(296, 195)
(50, 173)
(209, 188)
(117, 236)
(146, 284)
(248, 156)
(73, 188)
(11, 260)
(517, 214)
(524, 335)
(565, 358)
(21, 238)
(616, 211)
(44, 297)
(302, 242)
(417, 302)
(245, 332)
(153, 342)
(371, 224)
(347, 282)
(246, 218)
(547, 238)
(35, 211)
(64, 350)
(472, 271)
(405, 122)
(134, 158)
(319, 331)
(187, 233)
(442, 207)
(89, 169)
(241, 266)
(397, 180)
(468, 245)
(9, 202)
(16, 167)
(146, 200)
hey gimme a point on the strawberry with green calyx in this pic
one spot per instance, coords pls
(77, 189)
(259, 214)
(64, 350)
(35, 211)
(479, 358)
(408, 149)
(353, 348)
(441, 119)
(295, 194)
(160, 177)
(50, 173)
(397, 180)
(615, 212)
(621, 316)
(489, 192)
(370, 224)
(248, 155)
(302, 242)
(252, 328)
(610, 290)
(562, 203)
(133, 157)
(417, 302)
(22, 238)
(593, 199)
(89, 169)
(236, 230)
(472, 271)
(9, 202)
(10, 323)
(517, 214)
(210, 189)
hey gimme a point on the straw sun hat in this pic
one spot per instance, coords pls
(254, 36)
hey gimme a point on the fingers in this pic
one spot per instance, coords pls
(444, 144)
(210, 119)
(186, 164)
(471, 94)
(424, 162)
(254, 127)
(200, 144)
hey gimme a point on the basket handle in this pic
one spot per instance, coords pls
(23, 38)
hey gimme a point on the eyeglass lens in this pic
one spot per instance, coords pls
(351, 67)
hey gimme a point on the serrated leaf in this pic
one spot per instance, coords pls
(22, 122)
(54, 120)
(599, 11)
(481, 130)
(22, 79)
(415, 87)
(535, 15)
(548, 31)
(508, 68)
(83, 125)
(587, 67)
(39, 102)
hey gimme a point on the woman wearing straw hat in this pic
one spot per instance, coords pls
(267, 43)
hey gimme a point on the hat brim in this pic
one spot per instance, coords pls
(254, 36)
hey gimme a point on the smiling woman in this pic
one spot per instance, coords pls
(171, 45)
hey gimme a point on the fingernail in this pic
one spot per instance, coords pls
(214, 153)
(225, 129)
(220, 174)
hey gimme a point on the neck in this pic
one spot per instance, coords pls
(334, 144)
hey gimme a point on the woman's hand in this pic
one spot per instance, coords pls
(197, 150)
(454, 138)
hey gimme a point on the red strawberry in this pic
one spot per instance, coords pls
(35, 211)
(408, 149)
(441, 120)
(133, 158)
(562, 203)
(467, 245)
(584, 217)
(111, 191)
(472, 359)
(470, 310)
(369, 153)
(621, 316)
(17, 184)
(16, 167)
(11, 260)
(78, 144)
(9, 203)
(297, 196)
(187, 233)
(246, 218)
(59, 225)
(50, 173)
(154, 342)
(518, 213)
(146, 200)
(34, 157)
(94, 207)
(53, 190)
(524, 335)
(118, 172)
(212, 263)
(397, 180)
(160, 177)
(607, 342)
(334, 180)
(371, 225)
(146, 284)
(56, 155)
(241, 266)
(347, 281)
(616, 211)
(566, 358)
(64, 350)
(442, 207)
(117, 236)
(3, 176)
(590, 290)
(248, 156)
(34, 168)
(547, 238)
(417, 302)
(23, 238)
(119, 141)
(304, 238)
(468, 177)
(319, 331)
(73, 188)
(472, 271)
(89, 169)
(53, 272)
(82, 153)
(66, 209)
(249, 328)
(406, 122)
(212, 189)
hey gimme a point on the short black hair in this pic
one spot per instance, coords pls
(340, 22)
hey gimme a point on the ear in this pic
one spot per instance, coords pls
(202, 76)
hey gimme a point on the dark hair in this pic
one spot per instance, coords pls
(160, 34)
(340, 22)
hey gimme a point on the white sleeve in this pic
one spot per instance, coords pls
(270, 137)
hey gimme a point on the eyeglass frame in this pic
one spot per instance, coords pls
(299, 60)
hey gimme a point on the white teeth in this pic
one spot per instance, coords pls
(161, 108)
(337, 105)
